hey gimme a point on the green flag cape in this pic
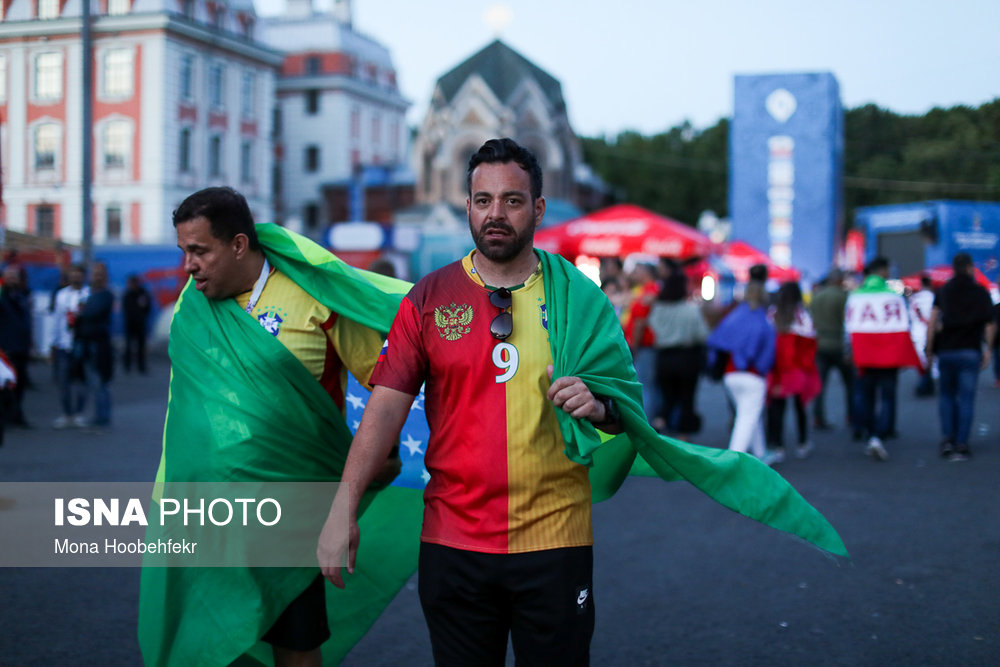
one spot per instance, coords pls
(587, 342)
(242, 408)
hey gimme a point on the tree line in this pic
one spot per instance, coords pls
(888, 158)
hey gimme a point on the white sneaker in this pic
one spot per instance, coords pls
(772, 456)
(876, 450)
(804, 450)
(80, 421)
(62, 421)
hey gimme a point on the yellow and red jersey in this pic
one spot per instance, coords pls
(327, 345)
(499, 480)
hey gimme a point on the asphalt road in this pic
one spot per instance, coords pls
(678, 579)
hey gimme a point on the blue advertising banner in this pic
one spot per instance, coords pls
(927, 234)
(785, 168)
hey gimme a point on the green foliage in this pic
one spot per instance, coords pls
(888, 158)
(679, 173)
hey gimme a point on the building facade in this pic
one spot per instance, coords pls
(497, 92)
(341, 117)
(182, 99)
(189, 94)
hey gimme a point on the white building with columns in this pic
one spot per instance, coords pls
(340, 109)
(183, 99)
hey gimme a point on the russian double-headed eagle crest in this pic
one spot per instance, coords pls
(453, 321)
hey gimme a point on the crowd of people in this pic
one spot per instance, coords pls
(526, 369)
(77, 340)
(775, 349)
(523, 364)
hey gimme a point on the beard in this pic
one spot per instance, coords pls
(505, 249)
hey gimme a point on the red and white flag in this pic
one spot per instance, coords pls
(879, 326)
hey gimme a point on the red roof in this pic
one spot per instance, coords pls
(622, 230)
(739, 256)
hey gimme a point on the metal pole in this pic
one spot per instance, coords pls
(86, 48)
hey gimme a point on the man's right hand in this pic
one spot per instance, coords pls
(334, 545)
(381, 423)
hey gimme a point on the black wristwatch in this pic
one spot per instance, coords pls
(611, 415)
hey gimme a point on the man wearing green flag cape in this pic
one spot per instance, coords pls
(257, 392)
(523, 360)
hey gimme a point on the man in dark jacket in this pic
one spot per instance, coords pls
(960, 333)
(93, 342)
(136, 306)
(15, 336)
(827, 310)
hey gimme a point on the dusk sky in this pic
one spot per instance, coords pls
(648, 65)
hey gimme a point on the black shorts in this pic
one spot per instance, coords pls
(303, 625)
(543, 599)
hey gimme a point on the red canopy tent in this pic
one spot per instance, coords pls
(622, 230)
(739, 256)
(941, 274)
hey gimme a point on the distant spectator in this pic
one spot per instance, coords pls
(613, 283)
(920, 304)
(15, 337)
(611, 270)
(8, 382)
(879, 327)
(827, 310)
(747, 341)
(136, 306)
(639, 336)
(93, 343)
(794, 375)
(962, 344)
(680, 333)
(67, 358)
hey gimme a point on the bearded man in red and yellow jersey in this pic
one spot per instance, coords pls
(506, 546)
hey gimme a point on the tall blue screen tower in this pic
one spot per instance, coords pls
(786, 149)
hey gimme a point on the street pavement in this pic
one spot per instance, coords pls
(679, 580)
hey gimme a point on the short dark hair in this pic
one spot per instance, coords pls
(758, 272)
(877, 264)
(226, 210)
(961, 262)
(675, 288)
(501, 151)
